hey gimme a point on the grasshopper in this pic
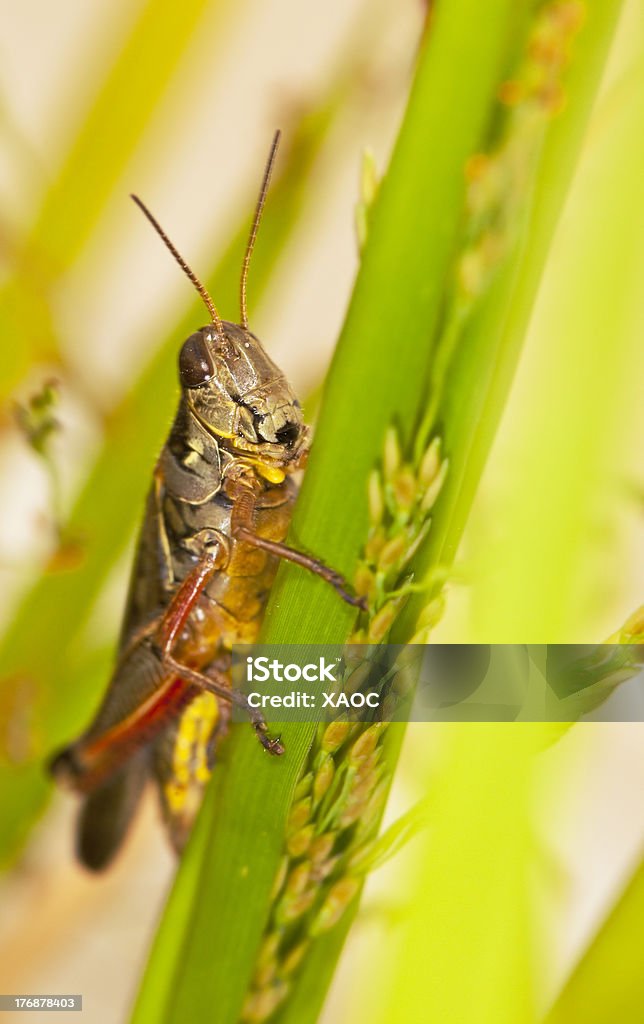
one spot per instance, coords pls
(216, 517)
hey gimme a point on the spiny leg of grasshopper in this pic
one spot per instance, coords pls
(216, 684)
(242, 529)
(214, 681)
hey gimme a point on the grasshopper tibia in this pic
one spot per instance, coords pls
(242, 530)
(216, 683)
(314, 565)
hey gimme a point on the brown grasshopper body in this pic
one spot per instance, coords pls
(216, 518)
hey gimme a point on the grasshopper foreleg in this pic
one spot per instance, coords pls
(242, 529)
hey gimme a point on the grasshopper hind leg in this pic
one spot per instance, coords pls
(183, 760)
(107, 812)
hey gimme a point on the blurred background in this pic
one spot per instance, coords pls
(100, 100)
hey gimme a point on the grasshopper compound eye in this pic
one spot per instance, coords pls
(288, 435)
(195, 364)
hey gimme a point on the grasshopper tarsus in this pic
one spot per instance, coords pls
(340, 585)
(272, 745)
(355, 600)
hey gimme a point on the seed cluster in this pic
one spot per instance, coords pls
(338, 803)
(402, 495)
(498, 181)
(333, 821)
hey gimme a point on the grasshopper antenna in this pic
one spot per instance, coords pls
(253, 231)
(209, 304)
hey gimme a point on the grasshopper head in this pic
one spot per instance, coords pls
(241, 398)
(231, 386)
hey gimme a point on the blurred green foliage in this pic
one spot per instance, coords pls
(130, 92)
